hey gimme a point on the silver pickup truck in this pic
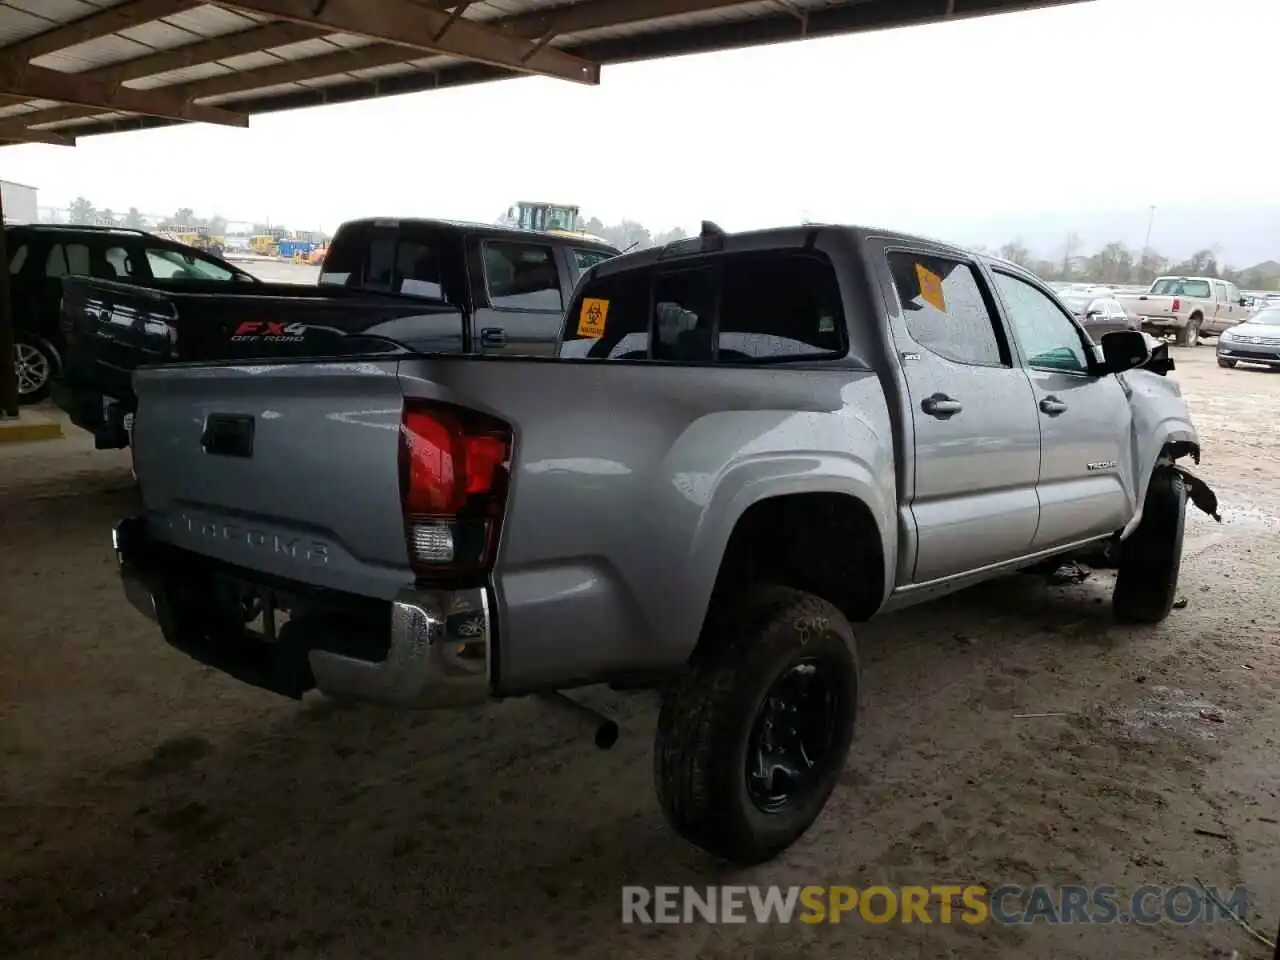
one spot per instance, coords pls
(745, 444)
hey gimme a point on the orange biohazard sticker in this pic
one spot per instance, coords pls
(592, 316)
(930, 288)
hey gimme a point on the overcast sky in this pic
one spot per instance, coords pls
(1107, 105)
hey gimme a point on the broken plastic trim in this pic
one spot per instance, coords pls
(1198, 492)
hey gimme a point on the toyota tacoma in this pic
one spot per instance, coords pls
(745, 445)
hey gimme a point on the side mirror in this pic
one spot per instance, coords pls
(1124, 350)
(1090, 314)
(1244, 301)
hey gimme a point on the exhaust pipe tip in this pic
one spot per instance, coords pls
(606, 734)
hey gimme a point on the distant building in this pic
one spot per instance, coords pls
(19, 202)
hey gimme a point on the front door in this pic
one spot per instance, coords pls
(1085, 484)
(972, 499)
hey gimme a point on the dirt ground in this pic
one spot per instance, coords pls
(150, 807)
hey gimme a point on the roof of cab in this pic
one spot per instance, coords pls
(489, 229)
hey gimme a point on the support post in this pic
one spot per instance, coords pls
(8, 367)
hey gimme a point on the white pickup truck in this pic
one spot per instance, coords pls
(1187, 307)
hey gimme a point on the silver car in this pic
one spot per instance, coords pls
(1256, 340)
(1098, 314)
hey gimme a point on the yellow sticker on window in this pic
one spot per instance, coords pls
(592, 317)
(930, 288)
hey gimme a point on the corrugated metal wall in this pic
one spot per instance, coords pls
(19, 202)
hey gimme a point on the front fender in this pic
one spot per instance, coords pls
(1160, 419)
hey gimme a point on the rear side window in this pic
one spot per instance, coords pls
(17, 258)
(522, 276)
(945, 309)
(385, 260)
(741, 308)
(66, 259)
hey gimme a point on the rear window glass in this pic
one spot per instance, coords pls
(741, 308)
(1169, 287)
(386, 261)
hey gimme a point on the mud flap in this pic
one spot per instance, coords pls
(1198, 492)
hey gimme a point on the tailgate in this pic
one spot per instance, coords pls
(291, 470)
(112, 328)
(1148, 305)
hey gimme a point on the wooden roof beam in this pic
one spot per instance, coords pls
(409, 23)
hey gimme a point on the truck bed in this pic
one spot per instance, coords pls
(113, 328)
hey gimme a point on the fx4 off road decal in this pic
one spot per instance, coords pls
(270, 331)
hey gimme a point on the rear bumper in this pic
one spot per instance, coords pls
(1161, 324)
(428, 648)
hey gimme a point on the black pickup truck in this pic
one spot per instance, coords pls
(435, 286)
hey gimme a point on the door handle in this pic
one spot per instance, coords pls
(941, 406)
(1053, 406)
(493, 337)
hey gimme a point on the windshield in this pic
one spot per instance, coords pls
(1076, 304)
(1269, 317)
(1174, 287)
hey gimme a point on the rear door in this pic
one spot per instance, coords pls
(977, 439)
(521, 295)
(1084, 487)
(1221, 313)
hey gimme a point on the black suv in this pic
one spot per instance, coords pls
(40, 255)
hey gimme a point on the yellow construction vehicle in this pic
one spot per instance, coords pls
(561, 219)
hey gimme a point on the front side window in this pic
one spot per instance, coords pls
(586, 259)
(945, 310)
(522, 276)
(1049, 338)
(119, 262)
(168, 264)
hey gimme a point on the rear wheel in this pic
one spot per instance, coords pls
(1224, 362)
(751, 741)
(1189, 335)
(1147, 574)
(35, 365)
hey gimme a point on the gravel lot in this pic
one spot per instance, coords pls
(150, 807)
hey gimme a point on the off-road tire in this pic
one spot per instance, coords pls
(1224, 362)
(707, 722)
(1189, 335)
(1147, 575)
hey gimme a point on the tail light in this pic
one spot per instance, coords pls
(1176, 305)
(453, 487)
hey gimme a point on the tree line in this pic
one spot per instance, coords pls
(184, 218)
(1116, 263)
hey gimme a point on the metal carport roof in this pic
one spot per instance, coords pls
(71, 68)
